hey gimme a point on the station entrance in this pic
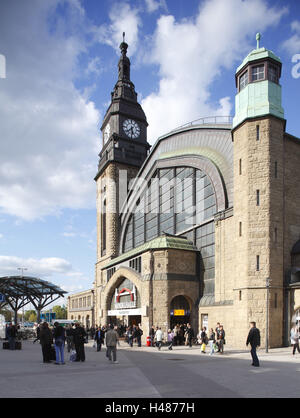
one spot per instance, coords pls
(180, 311)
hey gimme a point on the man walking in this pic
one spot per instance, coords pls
(98, 338)
(111, 339)
(254, 340)
(158, 338)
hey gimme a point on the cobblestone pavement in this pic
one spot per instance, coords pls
(148, 373)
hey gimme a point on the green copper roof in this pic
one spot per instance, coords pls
(163, 242)
(257, 54)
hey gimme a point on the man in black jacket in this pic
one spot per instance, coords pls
(254, 340)
(79, 339)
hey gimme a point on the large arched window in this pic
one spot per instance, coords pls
(176, 200)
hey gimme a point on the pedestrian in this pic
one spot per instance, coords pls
(46, 340)
(204, 340)
(79, 339)
(158, 338)
(170, 339)
(217, 331)
(11, 333)
(254, 340)
(98, 338)
(221, 339)
(111, 340)
(138, 335)
(190, 335)
(152, 335)
(295, 339)
(176, 334)
(212, 341)
(70, 337)
(130, 336)
(59, 343)
(38, 331)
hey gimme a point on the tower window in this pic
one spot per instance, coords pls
(240, 229)
(257, 263)
(258, 72)
(273, 73)
(240, 166)
(244, 80)
(257, 198)
(240, 295)
(257, 133)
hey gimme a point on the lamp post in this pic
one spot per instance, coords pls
(22, 274)
(268, 280)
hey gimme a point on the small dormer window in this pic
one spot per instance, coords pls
(273, 73)
(258, 72)
(244, 80)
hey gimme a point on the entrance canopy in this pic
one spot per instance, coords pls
(18, 291)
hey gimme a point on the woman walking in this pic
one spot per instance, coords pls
(46, 340)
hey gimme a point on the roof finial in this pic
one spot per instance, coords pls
(123, 45)
(258, 37)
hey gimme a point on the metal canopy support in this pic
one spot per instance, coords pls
(22, 290)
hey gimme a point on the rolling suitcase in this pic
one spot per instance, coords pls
(18, 345)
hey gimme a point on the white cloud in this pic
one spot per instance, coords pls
(154, 5)
(49, 140)
(1, 236)
(43, 267)
(292, 45)
(123, 18)
(191, 53)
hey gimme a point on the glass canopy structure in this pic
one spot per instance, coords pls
(18, 291)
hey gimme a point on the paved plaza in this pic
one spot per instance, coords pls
(148, 373)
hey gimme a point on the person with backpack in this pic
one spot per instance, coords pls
(59, 343)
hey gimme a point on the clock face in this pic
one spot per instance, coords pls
(131, 128)
(106, 132)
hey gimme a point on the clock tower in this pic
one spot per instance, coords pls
(124, 149)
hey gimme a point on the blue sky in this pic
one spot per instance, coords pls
(61, 65)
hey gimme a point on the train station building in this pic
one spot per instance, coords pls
(204, 226)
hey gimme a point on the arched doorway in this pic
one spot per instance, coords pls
(180, 311)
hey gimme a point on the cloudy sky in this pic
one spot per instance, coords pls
(58, 65)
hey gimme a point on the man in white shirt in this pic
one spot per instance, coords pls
(158, 338)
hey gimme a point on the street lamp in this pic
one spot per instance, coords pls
(22, 273)
(268, 281)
